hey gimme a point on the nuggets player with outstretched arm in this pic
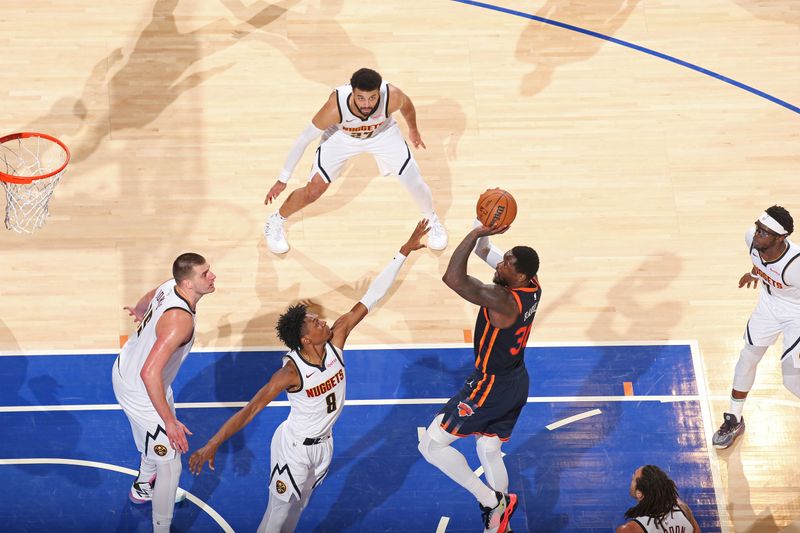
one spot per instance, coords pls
(493, 396)
(314, 377)
(776, 263)
(357, 118)
(143, 374)
(658, 507)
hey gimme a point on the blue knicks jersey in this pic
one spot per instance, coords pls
(499, 351)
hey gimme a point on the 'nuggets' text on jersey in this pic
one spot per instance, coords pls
(317, 403)
(358, 127)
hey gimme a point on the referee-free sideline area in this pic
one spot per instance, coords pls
(595, 413)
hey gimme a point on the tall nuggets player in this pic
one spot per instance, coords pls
(314, 378)
(776, 263)
(357, 118)
(143, 374)
(493, 396)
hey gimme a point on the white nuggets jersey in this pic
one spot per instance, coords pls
(674, 522)
(780, 278)
(317, 404)
(357, 127)
(133, 355)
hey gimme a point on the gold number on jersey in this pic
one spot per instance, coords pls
(145, 319)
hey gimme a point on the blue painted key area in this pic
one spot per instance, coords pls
(573, 478)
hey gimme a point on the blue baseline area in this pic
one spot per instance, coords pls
(574, 478)
(230, 376)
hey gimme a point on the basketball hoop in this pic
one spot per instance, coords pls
(31, 164)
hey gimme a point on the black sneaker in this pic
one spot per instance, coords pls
(728, 431)
(495, 519)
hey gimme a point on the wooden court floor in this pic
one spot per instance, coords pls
(636, 175)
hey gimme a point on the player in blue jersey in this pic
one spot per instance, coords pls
(493, 395)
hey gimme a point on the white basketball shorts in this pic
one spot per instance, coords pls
(389, 149)
(768, 321)
(149, 430)
(296, 468)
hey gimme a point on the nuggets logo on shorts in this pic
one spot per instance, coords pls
(465, 410)
(160, 450)
(280, 486)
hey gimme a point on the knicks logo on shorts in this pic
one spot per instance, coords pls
(160, 450)
(280, 486)
(464, 410)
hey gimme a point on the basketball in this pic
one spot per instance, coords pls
(496, 206)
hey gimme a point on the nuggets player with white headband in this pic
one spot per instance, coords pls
(776, 263)
(313, 375)
(357, 118)
(143, 374)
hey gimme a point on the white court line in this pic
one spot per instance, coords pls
(378, 401)
(372, 402)
(399, 401)
(574, 418)
(114, 468)
(442, 527)
(705, 411)
(411, 346)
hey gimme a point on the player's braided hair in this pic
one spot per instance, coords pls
(527, 260)
(183, 265)
(290, 326)
(660, 495)
(365, 79)
(783, 217)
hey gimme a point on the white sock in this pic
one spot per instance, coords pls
(492, 461)
(168, 475)
(736, 407)
(419, 190)
(454, 465)
(147, 469)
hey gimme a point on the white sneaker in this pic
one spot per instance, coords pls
(437, 237)
(142, 492)
(274, 234)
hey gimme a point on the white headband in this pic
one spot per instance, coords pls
(772, 224)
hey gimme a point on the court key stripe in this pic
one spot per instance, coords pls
(390, 401)
(574, 418)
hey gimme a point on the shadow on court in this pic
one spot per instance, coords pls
(549, 47)
(378, 463)
(547, 457)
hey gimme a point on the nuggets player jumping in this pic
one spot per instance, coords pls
(493, 396)
(357, 118)
(313, 375)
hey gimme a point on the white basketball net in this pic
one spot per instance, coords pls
(27, 203)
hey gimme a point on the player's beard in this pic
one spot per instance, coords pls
(370, 110)
(761, 247)
(497, 280)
